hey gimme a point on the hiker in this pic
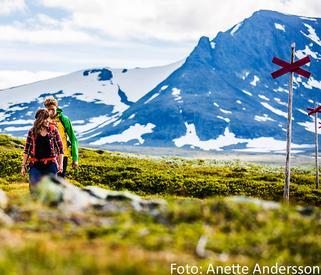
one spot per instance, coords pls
(42, 143)
(67, 134)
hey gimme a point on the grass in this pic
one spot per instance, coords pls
(45, 239)
(171, 176)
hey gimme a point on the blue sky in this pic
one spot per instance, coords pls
(40, 39)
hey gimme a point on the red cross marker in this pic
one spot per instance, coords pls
(291, 67)
(314, 110)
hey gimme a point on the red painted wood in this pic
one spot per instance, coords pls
(314, 110)
(288, 67)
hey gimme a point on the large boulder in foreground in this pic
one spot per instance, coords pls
(68, 197)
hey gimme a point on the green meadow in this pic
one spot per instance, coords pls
(199, 206)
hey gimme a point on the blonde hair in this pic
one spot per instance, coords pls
(49, 101)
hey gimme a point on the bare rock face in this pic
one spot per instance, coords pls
(58, 192)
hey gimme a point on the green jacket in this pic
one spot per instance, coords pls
(70, 133)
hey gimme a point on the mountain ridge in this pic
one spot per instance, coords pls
(221, 97)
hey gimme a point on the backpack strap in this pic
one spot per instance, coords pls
(33, 149)
(52, 128)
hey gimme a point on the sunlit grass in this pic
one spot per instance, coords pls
(46, 240)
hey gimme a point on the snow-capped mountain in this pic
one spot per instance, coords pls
(91, 98)
(222, 97)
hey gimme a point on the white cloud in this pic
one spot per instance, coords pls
(9, 6)
(46, 36)
(142, 20)
(174, 20)
(122, 33)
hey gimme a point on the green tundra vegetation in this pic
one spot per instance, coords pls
(199, 207)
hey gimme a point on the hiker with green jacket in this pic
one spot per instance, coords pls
(67, 134)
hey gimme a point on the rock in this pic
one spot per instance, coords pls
(48, 192)
(137, 202)
(262, 203)
(306, 211)
(5, 219)
(201, 248)
(3, 199)
(56, 191)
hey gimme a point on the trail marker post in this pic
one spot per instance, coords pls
(315, 111)
(293, 67)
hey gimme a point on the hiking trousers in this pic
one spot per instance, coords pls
(36, 172)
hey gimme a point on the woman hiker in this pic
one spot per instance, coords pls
(43, 141)
(66, 131)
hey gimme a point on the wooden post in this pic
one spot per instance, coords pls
(316, 142)
(286, 194)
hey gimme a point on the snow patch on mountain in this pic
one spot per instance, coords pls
(309, 126)
(225, 111)
(264, 97)
(302, 111)
(279, 26)
(247, 93)
(224, 118)
(151, 98)
(191, 138)
(282, 90)
(263, 118)
(18, 121)
(16, 128)
(312, 34)
(262, 144)
(93, 123)
(177, 95)
(314, 83)
(306, 51)
(137, 82)
(279, 101)
(234, 30)
(255, 80)
(132, 133)
(274, 110)
(270, 145)
(245, 75)
(308, 18)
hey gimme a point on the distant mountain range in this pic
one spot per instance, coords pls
(221, 97)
